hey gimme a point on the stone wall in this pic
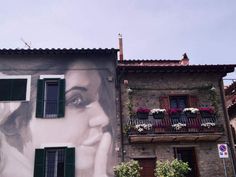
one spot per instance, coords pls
(145, 90)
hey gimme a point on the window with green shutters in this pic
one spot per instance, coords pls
(54, 162)
(50, 98)
(15, 87)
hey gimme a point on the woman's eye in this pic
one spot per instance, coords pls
(76, 101)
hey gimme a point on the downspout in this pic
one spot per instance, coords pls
(227, 123)
(121, 57)
(121, 116)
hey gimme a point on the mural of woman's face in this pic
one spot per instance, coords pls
(82, 125)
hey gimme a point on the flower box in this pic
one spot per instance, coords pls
(208, 124)
(142, 113)
(143, 128)
(178, 126)
(189, 114)
(206, 112)
(158, 113)
(175, 113)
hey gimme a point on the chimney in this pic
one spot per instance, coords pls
(184, 60)
(121, 56)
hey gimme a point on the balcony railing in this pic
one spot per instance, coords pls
(168, 124)
(177, 129)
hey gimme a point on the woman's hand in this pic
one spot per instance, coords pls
(100, 168)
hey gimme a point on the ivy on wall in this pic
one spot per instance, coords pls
(210, 90)
(129, 102)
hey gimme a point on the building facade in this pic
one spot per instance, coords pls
(77, 113)
(230, 97)
(170, 109)
(57, 112)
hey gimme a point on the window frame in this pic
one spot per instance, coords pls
(40, 161)
(41, 95)
(28, 86)
(186, 97)
(56, 161)
(46, 82)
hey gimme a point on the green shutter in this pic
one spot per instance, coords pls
(5, 89)
(164, 102)
(70, 162)
(40, 98)
(193, 101)
(39, 163)
(61, 106)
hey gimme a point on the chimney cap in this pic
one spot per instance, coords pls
(185, 56)
(121, 55)
(184, 60)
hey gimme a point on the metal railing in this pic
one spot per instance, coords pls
(181, 124)
(51, 108)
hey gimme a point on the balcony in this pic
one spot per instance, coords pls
(174, 129)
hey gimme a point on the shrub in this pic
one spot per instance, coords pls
(127, 169)
(176, 168)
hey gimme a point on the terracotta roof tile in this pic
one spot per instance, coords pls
(52, 51)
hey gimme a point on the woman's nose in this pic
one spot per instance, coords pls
(99, 118)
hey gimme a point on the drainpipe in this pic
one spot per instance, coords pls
(121, 115)
(228, 129)
(121, 58)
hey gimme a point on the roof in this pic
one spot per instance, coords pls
(53, 51)
(152, 62)
(166, 62)
(231, 89)
(162, 66)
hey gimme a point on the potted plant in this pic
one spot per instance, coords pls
(176, 168)
(142, 113)
(143, 128)
(206, 112)
(208, 124)
(178, 126)
(191, 112)
(175, 113)
(158, 113)
(127, 169)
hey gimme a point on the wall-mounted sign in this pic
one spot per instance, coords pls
(223, 151)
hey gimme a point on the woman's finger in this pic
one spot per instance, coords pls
(100, 168)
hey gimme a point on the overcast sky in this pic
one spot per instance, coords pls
(151, 29)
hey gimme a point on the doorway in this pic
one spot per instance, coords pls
(148, 165)
(187, 154)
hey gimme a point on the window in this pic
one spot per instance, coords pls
(54, 162)
(15, 88)
(51, 97)
(178, 102)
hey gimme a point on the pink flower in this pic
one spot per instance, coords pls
(210, 110)
(143, 110)
(175, 110)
